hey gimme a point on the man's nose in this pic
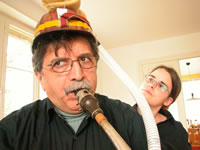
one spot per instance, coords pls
(76, 72)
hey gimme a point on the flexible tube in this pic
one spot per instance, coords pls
(153, 139)
(117, 140)
(89, 103)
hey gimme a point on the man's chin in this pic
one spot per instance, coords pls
(77, 109)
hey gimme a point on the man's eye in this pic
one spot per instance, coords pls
(59, 63)
(84, 59)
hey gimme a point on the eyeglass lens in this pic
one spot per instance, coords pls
(64, 65)
(159, 85)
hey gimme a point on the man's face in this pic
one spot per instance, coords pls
(55, 83)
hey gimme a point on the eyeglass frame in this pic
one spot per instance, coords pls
(53, 63)
(158, 83)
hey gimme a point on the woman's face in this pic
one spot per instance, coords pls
(157, 87)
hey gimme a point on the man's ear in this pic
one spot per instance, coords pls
(40, 78)
(168, 101)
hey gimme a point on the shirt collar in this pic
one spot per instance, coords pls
(163, 112)
(51, 111)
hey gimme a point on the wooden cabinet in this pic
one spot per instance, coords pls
(194, 138)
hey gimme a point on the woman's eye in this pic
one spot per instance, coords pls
(163, 88)
(150, 79)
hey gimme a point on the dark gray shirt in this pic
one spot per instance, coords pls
(38, 127)
(173, 135)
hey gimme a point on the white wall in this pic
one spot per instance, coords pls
(132, 57)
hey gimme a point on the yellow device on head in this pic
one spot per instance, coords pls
(69, 4)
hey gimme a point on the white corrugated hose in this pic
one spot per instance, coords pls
(153, 139)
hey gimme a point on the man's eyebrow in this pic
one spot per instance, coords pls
(58, 58)
(65, 58)
(86, 55)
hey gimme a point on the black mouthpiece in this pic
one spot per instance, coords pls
(88, 102)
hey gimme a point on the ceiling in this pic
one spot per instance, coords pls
(122, 22)
(118, 23)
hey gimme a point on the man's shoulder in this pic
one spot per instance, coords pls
(26, 111)
(113, 105)
(110, 101)
(35, 106)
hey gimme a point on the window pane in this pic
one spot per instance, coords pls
(192, 106)
(42, 93)
(19, 74)
(19, 53)
(19, 89)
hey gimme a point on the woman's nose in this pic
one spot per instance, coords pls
(153, 84)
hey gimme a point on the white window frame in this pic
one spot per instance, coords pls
(10, 25)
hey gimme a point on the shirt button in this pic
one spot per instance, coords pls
(75, 137)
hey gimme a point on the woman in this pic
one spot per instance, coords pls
(161, 88)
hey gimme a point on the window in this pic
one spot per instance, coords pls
(19, 85)
(192, 106)
(19, 75)
(190, 72)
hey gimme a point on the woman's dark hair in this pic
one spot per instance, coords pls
(58, 39)
(176, 81)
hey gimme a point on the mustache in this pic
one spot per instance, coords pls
(77, 85)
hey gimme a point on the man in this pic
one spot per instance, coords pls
(65, 56)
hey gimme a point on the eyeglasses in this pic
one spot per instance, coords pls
(65, 64)
(161, 86)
